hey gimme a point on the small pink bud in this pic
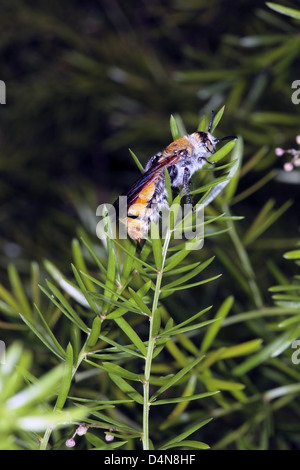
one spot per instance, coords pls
(297, 162)
(109, 437)
(298, 139)
(70, 442)
(288, 166)
(81, 430)
(279, 151)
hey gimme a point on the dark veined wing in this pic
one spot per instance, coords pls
(148, 177)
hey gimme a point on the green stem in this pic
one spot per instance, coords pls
(151, 346)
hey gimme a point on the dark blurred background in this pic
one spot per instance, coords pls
(85, 81)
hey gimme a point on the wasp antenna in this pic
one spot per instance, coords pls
(228, 137)
(211, 120)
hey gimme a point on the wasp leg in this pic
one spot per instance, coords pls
(185, 182)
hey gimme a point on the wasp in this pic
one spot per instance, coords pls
(148, 195)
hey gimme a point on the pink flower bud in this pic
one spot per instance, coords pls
(109, 437)
(70, 442)
(81, 430)
(279, 151)
(298, 139)
(297, 162)
(288, 166)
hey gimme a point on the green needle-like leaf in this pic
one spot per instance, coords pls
(172, 442)
(176, 378)
(174, 128)
(95, 332)
(137, 162)
(213, 330)
(126, 388)
(217, 119)
(66, 379)
(132, 335)
(19, 292)
(183, 399)
(284, 10)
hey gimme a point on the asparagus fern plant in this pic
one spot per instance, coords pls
(125, 363)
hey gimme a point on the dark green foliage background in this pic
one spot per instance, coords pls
(85, 81)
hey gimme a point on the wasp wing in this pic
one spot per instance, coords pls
(149, 177)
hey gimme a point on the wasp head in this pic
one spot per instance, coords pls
(208, 142)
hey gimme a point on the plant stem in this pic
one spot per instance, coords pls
(151, 345)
